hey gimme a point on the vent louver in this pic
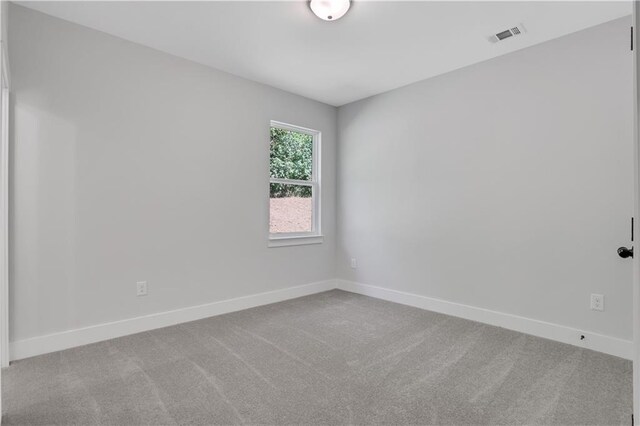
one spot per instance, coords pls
(511, 32)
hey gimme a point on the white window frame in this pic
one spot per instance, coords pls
(315, 236)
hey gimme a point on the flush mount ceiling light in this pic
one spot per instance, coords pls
(330, 10)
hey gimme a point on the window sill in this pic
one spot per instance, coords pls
(295, 241)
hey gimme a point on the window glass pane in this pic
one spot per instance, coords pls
(291, 154)
(291, 208)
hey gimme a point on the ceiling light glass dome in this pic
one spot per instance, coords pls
(330, 10)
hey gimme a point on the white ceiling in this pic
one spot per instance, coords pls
(376, 47)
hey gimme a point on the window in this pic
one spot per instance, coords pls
(294, 185)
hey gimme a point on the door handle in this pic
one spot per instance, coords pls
(624, 252)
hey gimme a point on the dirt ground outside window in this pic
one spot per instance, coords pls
(290, 214)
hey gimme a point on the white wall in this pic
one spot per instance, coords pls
(506, 185)
(129, 164)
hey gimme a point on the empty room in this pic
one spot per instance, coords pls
(319, 212)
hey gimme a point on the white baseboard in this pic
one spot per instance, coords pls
(83, 336)
(597, 342)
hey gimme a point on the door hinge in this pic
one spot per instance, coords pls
(631, 229)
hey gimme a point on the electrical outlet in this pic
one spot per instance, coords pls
(354, 263)
(597, 302)
(141, 288)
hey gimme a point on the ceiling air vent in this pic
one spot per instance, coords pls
(511, 32)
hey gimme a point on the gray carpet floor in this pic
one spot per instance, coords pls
(330, 358)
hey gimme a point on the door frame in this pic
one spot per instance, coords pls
(4, 205)
(636, 209)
